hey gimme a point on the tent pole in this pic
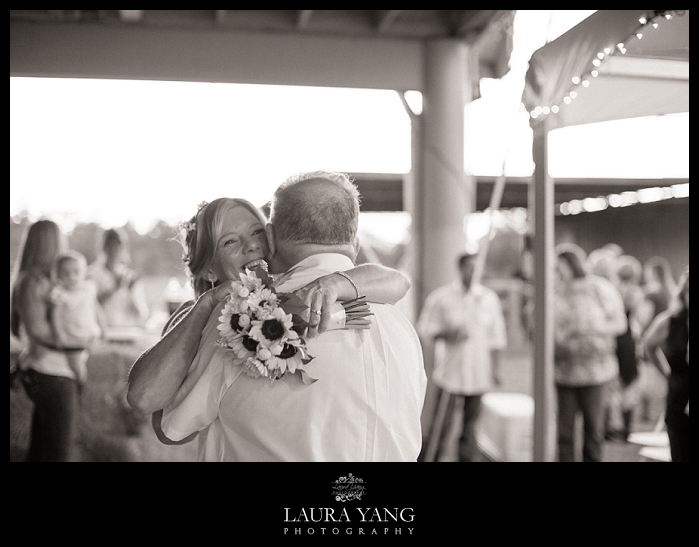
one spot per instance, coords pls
(543, 214)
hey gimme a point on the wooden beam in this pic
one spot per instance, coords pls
(385, 18)
(140, 52)
(470, 24)
(131, 15)
(304, 18)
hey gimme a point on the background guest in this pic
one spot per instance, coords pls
(77, 318)
(667, 345)
(49, 381)
(626, 389)
(588, 316)
(464, 323)
(660, 288)
(119, 288)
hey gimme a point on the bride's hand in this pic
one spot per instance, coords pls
(212, 297)
(319, 295)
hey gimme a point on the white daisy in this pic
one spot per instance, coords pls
(262, 303)
(251, 282)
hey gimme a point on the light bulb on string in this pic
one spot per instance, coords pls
(602, 55)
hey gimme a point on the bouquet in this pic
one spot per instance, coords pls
(263, 329)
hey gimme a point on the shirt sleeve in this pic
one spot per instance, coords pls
(429, 323)
(498, 331)
(196, 404)
(613, 304)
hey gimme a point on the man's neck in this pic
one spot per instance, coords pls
(289, 254)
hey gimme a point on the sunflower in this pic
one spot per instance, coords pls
(243, 346)
(276, 328)
(232, 322)
(286, 356)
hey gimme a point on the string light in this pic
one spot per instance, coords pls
(624, 199)
(583, 80)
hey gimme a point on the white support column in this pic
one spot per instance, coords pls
(543, 220)
(440, 193)
(443, 194)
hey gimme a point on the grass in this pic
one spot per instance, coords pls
(109, 430)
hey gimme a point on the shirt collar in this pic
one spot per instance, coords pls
(330, 262)
(476, 288)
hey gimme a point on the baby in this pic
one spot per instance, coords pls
(77, 317)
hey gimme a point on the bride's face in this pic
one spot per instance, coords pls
(242, 243)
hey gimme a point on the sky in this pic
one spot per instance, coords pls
(111, 151)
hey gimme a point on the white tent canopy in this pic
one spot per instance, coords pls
(635, 76)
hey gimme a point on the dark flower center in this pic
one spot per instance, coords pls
(235, 325)
(249, 344)
(288, 351)
(272, 329)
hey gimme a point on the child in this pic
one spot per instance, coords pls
(77, 317)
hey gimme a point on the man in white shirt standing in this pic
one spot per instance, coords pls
(464, 322)
(367, 402)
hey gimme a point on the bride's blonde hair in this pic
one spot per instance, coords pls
(199, 235)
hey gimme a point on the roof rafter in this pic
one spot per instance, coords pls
(385, 18)
(304, 18)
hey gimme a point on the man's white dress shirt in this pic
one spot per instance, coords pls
(464, 367)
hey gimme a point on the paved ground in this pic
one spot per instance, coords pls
(518, 378)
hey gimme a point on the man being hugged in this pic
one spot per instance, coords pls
(367, 397)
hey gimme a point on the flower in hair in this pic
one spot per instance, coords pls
(189, 226)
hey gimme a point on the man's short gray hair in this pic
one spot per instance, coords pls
(306, 209)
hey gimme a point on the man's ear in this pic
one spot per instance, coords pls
(271, 239)
(357, 246)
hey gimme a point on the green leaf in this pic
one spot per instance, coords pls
(265, 277)
(291, 303)
(308, 380)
